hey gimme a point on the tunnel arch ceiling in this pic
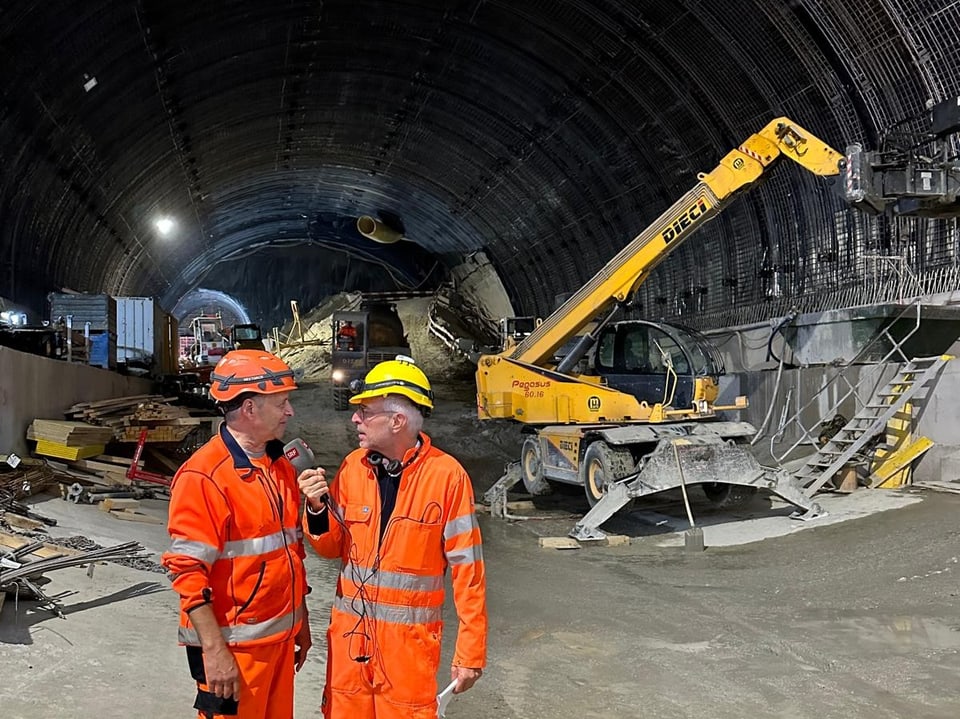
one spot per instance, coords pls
(545, 133)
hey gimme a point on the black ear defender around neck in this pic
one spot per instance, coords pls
(393, 467)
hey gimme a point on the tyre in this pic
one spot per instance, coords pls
(531, 468)
(341, 399)
(601, 466)
(725, 496)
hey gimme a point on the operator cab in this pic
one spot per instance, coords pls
(634, 356)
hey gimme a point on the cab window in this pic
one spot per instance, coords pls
(639, 349)
(664, 347)
(605, 350)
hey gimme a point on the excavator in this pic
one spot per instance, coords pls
(627, 409)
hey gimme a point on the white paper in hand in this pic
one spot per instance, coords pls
(443, 699)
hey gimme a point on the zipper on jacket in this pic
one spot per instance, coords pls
(268, 481)
(256, 588)
(271, 499)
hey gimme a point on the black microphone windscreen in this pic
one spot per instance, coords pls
(299, 454)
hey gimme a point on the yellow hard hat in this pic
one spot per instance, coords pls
(250, 371)
(396, 376)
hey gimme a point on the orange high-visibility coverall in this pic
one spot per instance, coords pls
(385, 623)
(237, 545)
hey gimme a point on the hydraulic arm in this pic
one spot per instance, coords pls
(522, 384)
(617, 281)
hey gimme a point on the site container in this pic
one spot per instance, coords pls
(146, 335)
(99, 310)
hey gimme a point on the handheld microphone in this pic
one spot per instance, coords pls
(299, 454)
(301, 457)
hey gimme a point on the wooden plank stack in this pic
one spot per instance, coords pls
(128, 416)
(68, 434)
(64, 451)
(163, 433)
(74, 448)
(113, 472)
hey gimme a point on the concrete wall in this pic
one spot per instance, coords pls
(37, 387)
(809, 393)
(940, 421)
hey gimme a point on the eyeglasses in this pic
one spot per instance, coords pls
(364, 413)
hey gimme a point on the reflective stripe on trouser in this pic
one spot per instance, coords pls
(266, 681)
(399, 681)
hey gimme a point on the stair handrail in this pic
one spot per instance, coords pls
(905, 275)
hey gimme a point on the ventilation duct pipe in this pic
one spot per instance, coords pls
(375, 230)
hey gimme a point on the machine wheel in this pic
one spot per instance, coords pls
(341, 399)
(601, 465)
(531, 468)
(725, 496)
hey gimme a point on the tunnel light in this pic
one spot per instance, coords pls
(13, 317)
(164, 225)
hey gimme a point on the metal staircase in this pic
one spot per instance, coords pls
(839, 390)
(869, 420)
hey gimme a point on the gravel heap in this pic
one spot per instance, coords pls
(438, 361)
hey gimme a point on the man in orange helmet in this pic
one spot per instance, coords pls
(236, 557)
(400, 513)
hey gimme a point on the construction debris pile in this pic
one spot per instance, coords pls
(311, 356)
(73, 452)
(25, 562)
(14, 513)
(24, 477)
(305, 343)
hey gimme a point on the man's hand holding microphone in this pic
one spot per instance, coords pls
(314, 487)
(311, 479)
(313, 484)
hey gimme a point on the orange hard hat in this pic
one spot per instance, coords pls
(250, 371)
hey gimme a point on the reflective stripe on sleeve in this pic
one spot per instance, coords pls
(466, 555)
(239, 633)
(393, 613)
(260, 545)
(364, 576)
(466, 523)
(200, 551)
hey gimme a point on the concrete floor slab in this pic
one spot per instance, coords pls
(719, 531)
(853, 619)
(662, 519)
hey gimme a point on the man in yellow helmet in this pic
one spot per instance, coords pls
(236, 556)
(399, 515)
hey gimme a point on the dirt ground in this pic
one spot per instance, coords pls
(850, 616)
